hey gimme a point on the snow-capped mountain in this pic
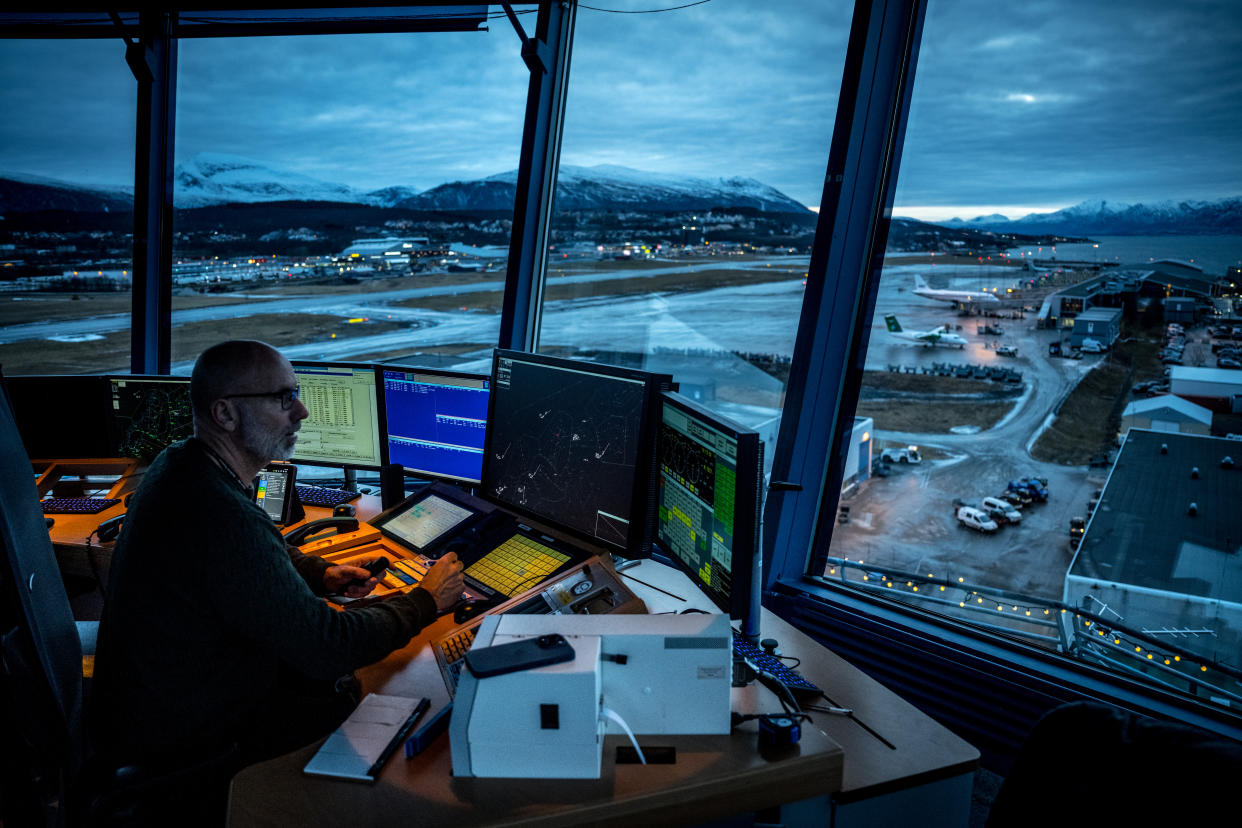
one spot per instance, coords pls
(389, 196)
(1111, 218)
(217, 178)
(608, 186)
(21, 193)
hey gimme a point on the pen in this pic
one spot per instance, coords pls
(399, 736)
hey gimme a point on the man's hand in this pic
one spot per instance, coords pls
(341, 579)
(444, 581)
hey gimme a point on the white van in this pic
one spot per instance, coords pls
(976, 519)
(1002, 510)
(1092, 346)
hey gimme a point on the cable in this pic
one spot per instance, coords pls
(644, 11)
(612, 714)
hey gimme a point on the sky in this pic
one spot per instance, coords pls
(1018, 106)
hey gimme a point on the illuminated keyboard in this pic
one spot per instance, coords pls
(516, 565)
(77, 505)
(451, 653)
(319, 496)
(760, 660)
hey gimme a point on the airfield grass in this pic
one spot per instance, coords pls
(1090, 418)
(940, 418)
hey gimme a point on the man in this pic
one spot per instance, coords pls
(214, 632)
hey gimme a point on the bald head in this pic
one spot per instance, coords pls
(232, 367)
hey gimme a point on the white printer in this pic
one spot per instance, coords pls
(659, 674)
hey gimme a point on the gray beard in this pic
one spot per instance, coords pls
(262, 446)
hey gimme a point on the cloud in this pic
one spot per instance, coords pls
(1034, 102)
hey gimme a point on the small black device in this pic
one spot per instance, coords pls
(778, 733)
(519, 655)
(110, 529)
(344, 510)
(275, 491)
(464, 610)
(376, 567)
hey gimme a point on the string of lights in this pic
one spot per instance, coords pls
(1090, 631)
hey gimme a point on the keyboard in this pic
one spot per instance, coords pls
(319, 496)
(78, 505)
(760, 660)
(516, 565)
(451, 654)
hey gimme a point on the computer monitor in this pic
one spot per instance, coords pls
(343, 428)
(572, 444)
(61, 417)
(711, 480)
(435, 421)
(147, 413)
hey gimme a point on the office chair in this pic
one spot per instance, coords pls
(49, 776)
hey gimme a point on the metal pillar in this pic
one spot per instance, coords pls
(846, 260)
(153, 60)
(547, 54)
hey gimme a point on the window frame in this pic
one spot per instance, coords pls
(989, 689)
(961, 670)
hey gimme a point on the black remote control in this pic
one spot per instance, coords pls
(375, 567)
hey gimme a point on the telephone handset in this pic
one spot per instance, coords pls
(303, 533)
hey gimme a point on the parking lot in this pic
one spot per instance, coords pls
(906, 520)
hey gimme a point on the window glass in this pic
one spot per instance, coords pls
(1041, 430)
(692, 161)
(346, 197)
(66, 197)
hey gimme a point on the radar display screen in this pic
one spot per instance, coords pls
(565, 443)
(149, 414)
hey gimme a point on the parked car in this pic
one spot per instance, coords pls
(909, 454)
(1002, 511)
(1231, 364)
(1007, 350)
(1018, 497)
(1077, 526)
(1034, 488)
(976, 519)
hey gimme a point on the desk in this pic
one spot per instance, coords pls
(714, 777)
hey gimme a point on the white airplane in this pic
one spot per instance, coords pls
(954, 297)
(936, 336)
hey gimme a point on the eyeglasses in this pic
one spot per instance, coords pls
(285, 397)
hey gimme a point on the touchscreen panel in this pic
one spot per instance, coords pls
(425, 521)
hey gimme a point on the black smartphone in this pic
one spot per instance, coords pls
(519, 655)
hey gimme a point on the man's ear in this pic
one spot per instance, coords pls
(224, 415)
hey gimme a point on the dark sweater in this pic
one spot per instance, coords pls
(204, 601)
